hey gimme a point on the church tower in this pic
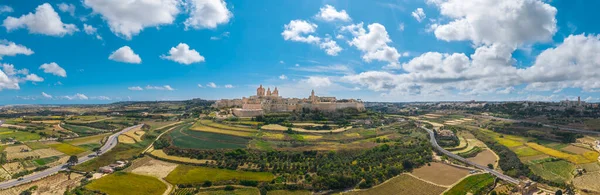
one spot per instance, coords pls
(269, 91)
(260, 91)
(313, 98)
(276, 92)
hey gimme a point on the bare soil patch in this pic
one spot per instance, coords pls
(588, 181)
(152, 167)
(47, 152)
(575, 149)
(484, 157)
(440, 173)
(55, 184)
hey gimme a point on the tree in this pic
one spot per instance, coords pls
(558, 192)
(491, 166)
(96, 150)
(72, 160)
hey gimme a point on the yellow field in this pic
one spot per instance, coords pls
(126, 139)
(273, 135)
(508, 142)
(312, 137)
(163, 155)
(210, 123)
(275, 127)
(136, 135)
(204, 128)
(47, 121)
(352, 134)
(587, 157)
(67, 148)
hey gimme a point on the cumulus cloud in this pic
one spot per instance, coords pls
(164, 87)
(329, 13)
(211, 85)
(330, 47)
(43, 21)
(487, 22)
(374, 44)
(68, 8)
(135, 88)
(317, 82)
(33, 78)
(298, 30)
(200, 86)
(228, 86)
(207, 14)
(90, 30)
(53, 68)
(77, 96)
(8, 48)
(282, 77)
(418, 14)
(129, 18)
(125, 54)
(6, 9)
(183, 55)
(103, 98)
(46, 95)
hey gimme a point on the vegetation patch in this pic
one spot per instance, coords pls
(524, 151)
(185, 138)
(577, 159)
(559, 171)
(162, 155)
(18, 135)
(185, 174)
(36, 145)
(475, 184)
(289, 192)
(127, 183)
(403, 184)
(203, 128)
(81, 130)
(440, 173)
(68, 149)
(44, 161)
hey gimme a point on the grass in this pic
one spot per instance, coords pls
(44, 161)
(81, 130)
(86, 140)
(90, 146)
(68, 149)
(184, 138)
(119, 152)
(36, 145)
(403, 184)
(237, 191)
(18, 135)
(263, 145)
(185, 174)
(163, 155)
(526, 151)
(587, 157)
(475, 184)
(556, 171)
(223, 126)
(127, 183)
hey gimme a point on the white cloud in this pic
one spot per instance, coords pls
(507, 90)
(103, 98)
(281, 62)
(183, 55)
(200, 86)
(135, 88)
(330, 47)
(487, 22)
(317, 82)
(401, 27)
(77, 96)
(10, 70)
(8, 48)
(125, 54)
(6, 9)
(34, 78)
(207, 14)
(7, 82)
(228, 86)
(44, 21)
(90, 30)
(164, 87)
(373, 44)
(129, 18)
(418, 14)
(221, 36)
(69, 8)
(46, 95)
(211, 85)
(282, 77)
(297, 29)
(329, 13)
(54, 69)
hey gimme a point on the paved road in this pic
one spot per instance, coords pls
(111, 142)
(457, 157)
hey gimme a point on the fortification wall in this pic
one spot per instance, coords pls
(248, 113)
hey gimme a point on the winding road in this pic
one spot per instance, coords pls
(111, 142)
(457, 157)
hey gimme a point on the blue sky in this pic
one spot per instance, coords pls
(100, 51)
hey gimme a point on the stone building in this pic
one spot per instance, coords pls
(266, 101)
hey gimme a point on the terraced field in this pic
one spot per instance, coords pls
(115, 184)
(184, 138)
(198, 126)
(474, 184)
(82, 130)
(557, 171)
(185, 174)
(403, 184)
(68, 149)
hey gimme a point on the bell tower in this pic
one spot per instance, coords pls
(260, 91)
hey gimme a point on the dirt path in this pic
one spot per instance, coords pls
(169, 186)
(158, 137)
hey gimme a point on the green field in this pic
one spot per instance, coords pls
(87, 139)
(36, 145)
(525, 151)
(288, 192)
(44, 161)
(557, 171)
(18, 135)
(91, 146)
(81, 130)
(237, 191)
(474, 184)
(68, 149)
(185, 174)
(119, 152)
(127, 183)
(184, 138)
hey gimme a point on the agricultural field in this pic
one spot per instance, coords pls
(151, 167)
(18, 135)
(82, 130)
(36, 145)
(557, 171)
(237, 191)
(87, 139)
(588, 181)
(523, 151)
(289, 192)
(198, 126)
(440, 173)
(474, 184)
(162, 155)
(402, 184)
(485, 157)
(184, 138)
(275, 127)
(587, 157)
(55, 184)
(67, 149)
(119, 152)
(127, 183)
(185, 174)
